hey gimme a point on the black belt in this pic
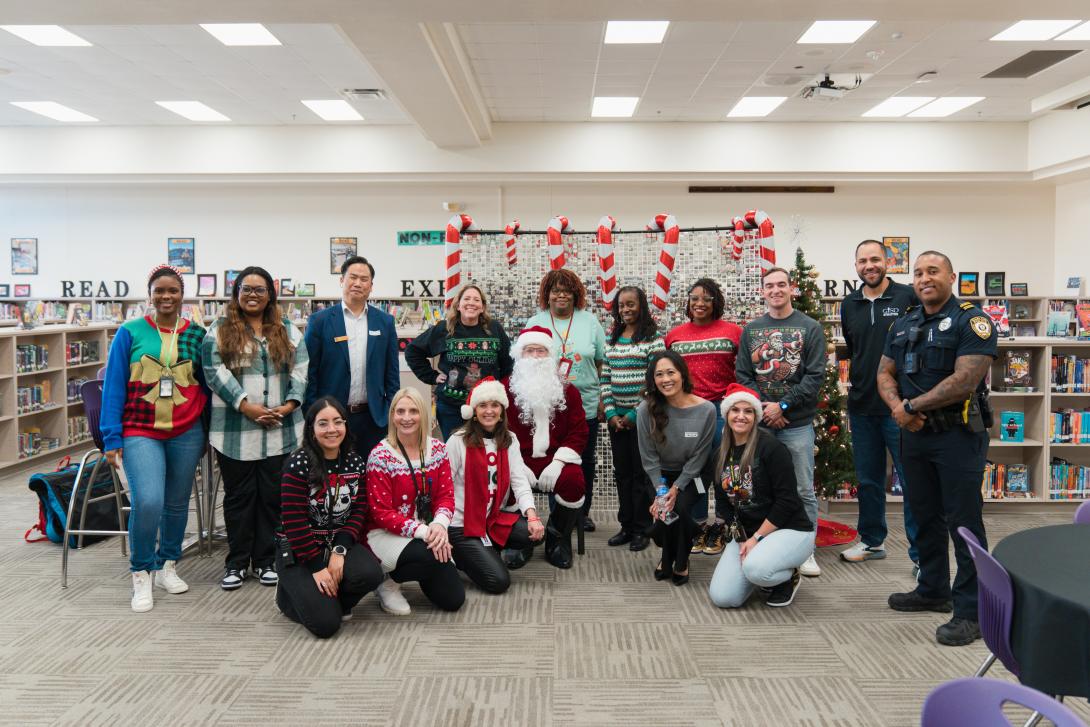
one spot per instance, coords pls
(357, 408)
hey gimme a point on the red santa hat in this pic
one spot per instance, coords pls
(737, 393)
(538, 335)
(487, 389)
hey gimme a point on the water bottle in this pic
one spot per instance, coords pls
(666, 515)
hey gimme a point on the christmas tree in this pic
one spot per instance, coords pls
(834, 468)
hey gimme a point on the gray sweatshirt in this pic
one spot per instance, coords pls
(688, 442)
(784, 360)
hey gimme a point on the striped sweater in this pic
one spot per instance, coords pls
(305, 509)
(623, 375)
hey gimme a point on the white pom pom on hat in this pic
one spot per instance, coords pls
(738, 393)
(487, 389)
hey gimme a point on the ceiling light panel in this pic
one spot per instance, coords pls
(1035, 29)
(1081, 32)
(46, 35)
(193, 110)
(53, 110)
(945, 106)
(615, 107)
(755, 106)
(836, 31)
(333, 110)
(898, 106)
(636, 31)
(241, 33)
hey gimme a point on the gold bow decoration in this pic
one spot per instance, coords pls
(149, 370)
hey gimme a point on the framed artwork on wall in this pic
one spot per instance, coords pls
(287, 287)
(969, 284)
(206, 285)
(340, 249)
(181, 252)
(22, 290)
(24, 256)
(1020, 289)
(995, 283)
(229, 278)
(896, 254)
(306, 290)
(5, 290)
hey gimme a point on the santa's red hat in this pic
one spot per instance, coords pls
(538, 335)
(737, 393)
(487, 389)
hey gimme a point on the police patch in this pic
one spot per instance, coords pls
(981, 327)
(945, 323)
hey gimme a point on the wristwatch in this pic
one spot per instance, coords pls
(340, 550)
(783, 406)
(907, 405)
(758, 538)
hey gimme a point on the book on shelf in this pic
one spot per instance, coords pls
(1082, 313)
(1020, 311)
(1017, 372)
(1069, 374)
(30, 357)
(1067, 481)
(1012, 426)
(998, 313)
(1070, 426)
(1003, 481)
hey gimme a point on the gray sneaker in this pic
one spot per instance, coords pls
(861, 552)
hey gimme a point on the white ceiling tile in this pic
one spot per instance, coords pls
(692, 32)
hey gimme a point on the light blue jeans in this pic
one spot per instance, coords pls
(769, 564)
(160, 475)
(800, 442)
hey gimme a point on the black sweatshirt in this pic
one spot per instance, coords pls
(766, 491)
(866, 323)
(473, 351)
(784, 359)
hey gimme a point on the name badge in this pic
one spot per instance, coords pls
(692, 435)
(565, 367)
(374, 333)
(340, 339)
(166, 387)
(486, 541)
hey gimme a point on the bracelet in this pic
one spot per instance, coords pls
(533, 519)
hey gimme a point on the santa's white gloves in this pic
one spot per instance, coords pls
(547, 481)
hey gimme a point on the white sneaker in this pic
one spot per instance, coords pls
(142, 600)
(810, 567)
(861, 552)
(168, 579)
(391, 600)
(346, 616)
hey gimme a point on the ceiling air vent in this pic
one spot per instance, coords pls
(1031, 63)
(365, 94)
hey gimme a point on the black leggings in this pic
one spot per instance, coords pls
(298, 597)
(676, 539)
(482, 563)
(439, 581)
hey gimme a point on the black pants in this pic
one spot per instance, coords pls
(943, 472)
(676, 539)
(365, 432)
(482, 563)
(590, 458)
(251, 509)
(439, 581)
(634, 492)
(298, 597)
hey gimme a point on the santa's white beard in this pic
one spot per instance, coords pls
(539, 394)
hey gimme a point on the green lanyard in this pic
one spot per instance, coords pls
(173, 340)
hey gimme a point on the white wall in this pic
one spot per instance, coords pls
(89, 231)
(1072, 231)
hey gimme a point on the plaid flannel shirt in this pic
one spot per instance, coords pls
(259, 382)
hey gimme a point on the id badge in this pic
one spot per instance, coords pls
(565, 367)
(486, 541)
(166, 387)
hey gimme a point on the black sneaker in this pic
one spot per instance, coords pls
(913, 601)
(783, 594)
(267, 576)
(232, 578)
(619, 539)
(958, 632)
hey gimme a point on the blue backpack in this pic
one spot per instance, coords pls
(54, 491)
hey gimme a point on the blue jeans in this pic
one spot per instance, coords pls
(800, 442)
(769, 564)
(700, 507)
(872, 435)
(160, 475)
(449, 415)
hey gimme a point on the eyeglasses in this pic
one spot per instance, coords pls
(560, 291)
(701, 299)
(329, 424)
(252, 290)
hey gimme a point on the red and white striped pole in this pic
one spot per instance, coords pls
(557, 226)
(608, 277)
(664, 272)
(738, 237)
(766, 237)
(458, 225)
(509, 242)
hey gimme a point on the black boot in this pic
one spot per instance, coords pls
(514, 558)
(558, 536)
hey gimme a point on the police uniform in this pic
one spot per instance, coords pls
(944, 461)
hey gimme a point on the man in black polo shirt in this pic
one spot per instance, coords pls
(866, 316)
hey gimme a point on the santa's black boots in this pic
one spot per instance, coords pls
(514, 558)
(558, 536)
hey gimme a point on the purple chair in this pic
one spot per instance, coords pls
(1082, 515)
(979, 702)
(995, 605)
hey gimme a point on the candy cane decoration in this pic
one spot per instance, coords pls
(458, 225)
(557, 226)
(608, 277)
(664, 272)
(738, 237)
(509, 242)
(766, 237)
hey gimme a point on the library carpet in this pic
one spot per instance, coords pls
(600, 644)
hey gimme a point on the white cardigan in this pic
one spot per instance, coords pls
(456, 455)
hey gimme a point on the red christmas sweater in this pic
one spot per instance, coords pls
(391, 493)
(709, 352)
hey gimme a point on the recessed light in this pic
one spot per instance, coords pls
(1035, 29)
(836, 31)
(333, 110)
(898, 106)
(193, 110)
(756, 106)
(53, 110)
(945, 106)
(614, 106)
(46, 35)
(241, 33)
(636, 31)
(1080, 33)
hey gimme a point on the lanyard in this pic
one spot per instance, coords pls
(173, 340)
(567, 332)
(412, 472)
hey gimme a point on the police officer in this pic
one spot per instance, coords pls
(932, 378)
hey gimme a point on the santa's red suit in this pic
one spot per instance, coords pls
(551, 449)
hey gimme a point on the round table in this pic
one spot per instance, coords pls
(1050, 629)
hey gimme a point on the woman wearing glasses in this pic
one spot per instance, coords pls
(709, 346)
(256, 367)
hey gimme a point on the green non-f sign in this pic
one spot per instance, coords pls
(420, 237)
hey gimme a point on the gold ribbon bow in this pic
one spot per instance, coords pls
(149, 370)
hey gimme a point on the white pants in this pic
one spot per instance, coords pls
(769, 564)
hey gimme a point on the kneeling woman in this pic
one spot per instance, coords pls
(675, 429)
(490, 489)
(412, 504)
(326, 569)
(757, 490)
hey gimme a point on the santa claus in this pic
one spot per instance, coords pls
(546, 414)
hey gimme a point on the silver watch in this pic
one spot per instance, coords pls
(340, 550)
